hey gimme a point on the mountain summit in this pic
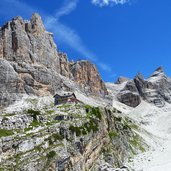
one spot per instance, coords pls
(156, 89)
(31, 64)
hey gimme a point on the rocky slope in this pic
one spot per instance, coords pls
(31, 64)
(66, 138)
(156, 90)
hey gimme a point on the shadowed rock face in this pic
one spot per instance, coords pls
(156, 89)
(31, 64)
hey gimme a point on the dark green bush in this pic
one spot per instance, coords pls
(51, 155)
(33, 113)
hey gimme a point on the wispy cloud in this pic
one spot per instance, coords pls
(66, 34)
(102, 3)
(104, 66)
(69, 36)
(68, 7)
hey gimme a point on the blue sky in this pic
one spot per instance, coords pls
(122, 37)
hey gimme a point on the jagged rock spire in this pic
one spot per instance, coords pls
(121, 80)
(158, 72)
(160, 69)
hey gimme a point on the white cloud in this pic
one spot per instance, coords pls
(102, 3)
(64, 33)
(104, 66)
(68, 7)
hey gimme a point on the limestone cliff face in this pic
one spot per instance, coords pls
(28, 60)
(156, 89)
(31, 64)
(88, 77)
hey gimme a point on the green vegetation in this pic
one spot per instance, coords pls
(35, 123)
(51, 155)
(32, 101)
(5, 132)
(133, 126)
(34, 114)
(54, 137)
(64, 106)
(136, 143)
(37, 148)
(27, 129)
(85, 129)
(93, 112)
(113, 134)
(130, 124)
(93, 115)
(50, 112)
(57, 136)
(9, 114)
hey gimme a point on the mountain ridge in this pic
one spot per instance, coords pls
(156, 89)
(34, 65)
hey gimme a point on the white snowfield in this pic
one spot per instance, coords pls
(157, 123)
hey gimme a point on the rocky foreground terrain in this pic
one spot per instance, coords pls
(97, 134)
(66, 137)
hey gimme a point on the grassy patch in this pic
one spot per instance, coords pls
(32, 101)
(136, 143)
(50, 112)
(113, 134)
(9, 114)
(5, 133)
(35, 123)
(27, 129)
(64, 106)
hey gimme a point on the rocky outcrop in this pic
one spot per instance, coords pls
(121, 80)
(31, 64)
(29, 60)
(88, 78)
(129, 98)
(83, 138)
(156, 89)
(64, 65)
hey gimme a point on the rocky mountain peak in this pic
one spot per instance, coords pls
(139, 76)
(158, 71)
(121, 80)
(87, 76)
(37, 24)
(156, 89)
(29, 57)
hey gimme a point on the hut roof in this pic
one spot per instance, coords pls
(64, 94)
